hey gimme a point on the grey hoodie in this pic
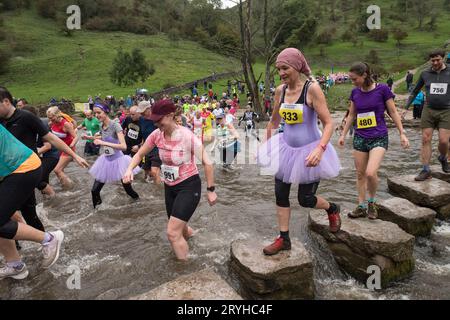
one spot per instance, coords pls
(437, 85)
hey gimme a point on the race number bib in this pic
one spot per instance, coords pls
(367, 120)
(438, 88)
(108, 151)
(169, 173)
(292, 113)
(133, 134)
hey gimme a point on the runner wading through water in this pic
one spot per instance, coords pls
(178, 147)
(20, 173)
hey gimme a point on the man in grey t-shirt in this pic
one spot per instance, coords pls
(436, 114)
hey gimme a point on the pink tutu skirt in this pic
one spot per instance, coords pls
(112, 168)
(288, 164)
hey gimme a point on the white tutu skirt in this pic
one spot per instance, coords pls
(112, 168)
(288, 164)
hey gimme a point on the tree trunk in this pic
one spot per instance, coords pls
(246, 43)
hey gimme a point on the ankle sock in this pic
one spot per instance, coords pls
(47, 238)
(426, 168)
(15, 264)
(284, 235)
(371, 200)
(333, 208)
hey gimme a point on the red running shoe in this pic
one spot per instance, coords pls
(278, 245)
(335, 220)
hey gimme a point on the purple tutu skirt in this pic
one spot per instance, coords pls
(288, 164)
(112, 168)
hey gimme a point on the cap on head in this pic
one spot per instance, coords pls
(162, 108)
(143, 105)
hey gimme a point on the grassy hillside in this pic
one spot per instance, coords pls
(51, 65)
(412, 51)
(47, 64)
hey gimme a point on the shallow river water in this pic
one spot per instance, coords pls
(121, 248)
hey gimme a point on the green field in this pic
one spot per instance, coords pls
(75, 67)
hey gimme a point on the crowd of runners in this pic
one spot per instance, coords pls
(167, 138)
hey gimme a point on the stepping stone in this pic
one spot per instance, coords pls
(286, 275)
(202, 285)
(436, 172)
(362, 243)
(432, 193)
(415, 220)
(443, 213)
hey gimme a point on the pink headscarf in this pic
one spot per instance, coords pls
(294, 58)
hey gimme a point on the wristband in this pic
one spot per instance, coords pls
(324, 147)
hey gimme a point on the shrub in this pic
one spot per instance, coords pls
(325, 37)
(379, 35)
(373, 57)
(348, 36)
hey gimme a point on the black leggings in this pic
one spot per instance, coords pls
(182, 199)
(48, 164)
(306, 194)
(98, 186)
(17, 193)
(230, 153)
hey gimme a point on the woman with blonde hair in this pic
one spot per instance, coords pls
(64, 130)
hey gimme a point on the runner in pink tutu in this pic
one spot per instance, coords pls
(302, 154)
(112, 164)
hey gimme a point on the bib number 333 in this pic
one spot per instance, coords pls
(292, 113)
(367, 120)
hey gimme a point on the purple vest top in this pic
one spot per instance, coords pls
(299, 135)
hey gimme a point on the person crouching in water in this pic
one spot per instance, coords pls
(112, 164)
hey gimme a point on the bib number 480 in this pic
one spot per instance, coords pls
(365, 123)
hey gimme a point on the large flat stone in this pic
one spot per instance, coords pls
(432, 193)
(362, 243)
(287, 275)
(202, 285)
(413, 219)
(436, 172)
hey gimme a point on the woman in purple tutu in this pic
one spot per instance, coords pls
(112, 164)
(301, 154)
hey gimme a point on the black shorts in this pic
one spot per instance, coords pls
(152, 160)
(182, 199)
(16, 190)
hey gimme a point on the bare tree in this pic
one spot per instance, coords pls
(246, 51)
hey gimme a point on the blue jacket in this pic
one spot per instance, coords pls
(420, 99)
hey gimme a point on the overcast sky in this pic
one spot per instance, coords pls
(227, 3)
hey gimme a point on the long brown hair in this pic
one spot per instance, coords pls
(361, 68)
